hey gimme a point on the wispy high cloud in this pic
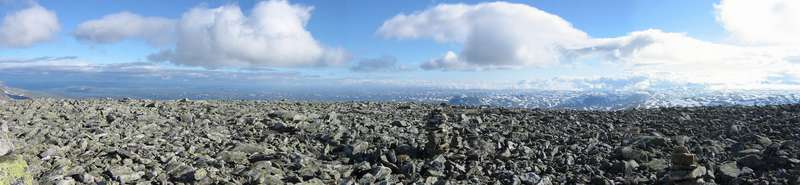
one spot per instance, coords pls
(37, 59)
(71, 68)
(273, 34)
(27, 27)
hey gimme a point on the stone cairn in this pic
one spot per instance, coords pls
(438, 133)
(685, 169)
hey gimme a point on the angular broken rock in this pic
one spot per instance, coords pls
(727, 172)
(381, 172)
(124, 174)
(687, 175)
(530, 178)
(658, 165)
(181, 172)
(263, 172)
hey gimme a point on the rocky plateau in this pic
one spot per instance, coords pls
(127, 141)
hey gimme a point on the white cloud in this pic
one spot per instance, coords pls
(677, 56)
(273, 34)
(493, 35)
(761, 22)
(124, 25)
(27, 27)
(70, 68)
(449, 61)
(504, 35)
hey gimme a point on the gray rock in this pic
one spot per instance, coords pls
(49, 153)
(626, 167)
(263, 172)
(6, 146)
(508, 177)
(408, 168)
(683, 175)
(628, 153)
(233, 157)
(366, 179)
(658, 165)
(66, 181)
(530, 178)
(436, 167)
(360, 148)
(87, 178)
(125, 174)
(656, 140)
(752, 161)
(381, 172)
(110, 118)
(399, 123)
(727, 172)
(764, 141)
(545, 181)
(251, 148)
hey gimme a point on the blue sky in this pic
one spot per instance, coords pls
(352, 25)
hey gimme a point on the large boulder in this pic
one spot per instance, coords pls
(6, 146)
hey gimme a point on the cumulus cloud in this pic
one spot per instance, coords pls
(272, 34)
(381, 64)
(113, 28)
(27, 27)
(505, 35)
(761, 22)
(493, 35)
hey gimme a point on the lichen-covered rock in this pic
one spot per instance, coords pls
(13, 170)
